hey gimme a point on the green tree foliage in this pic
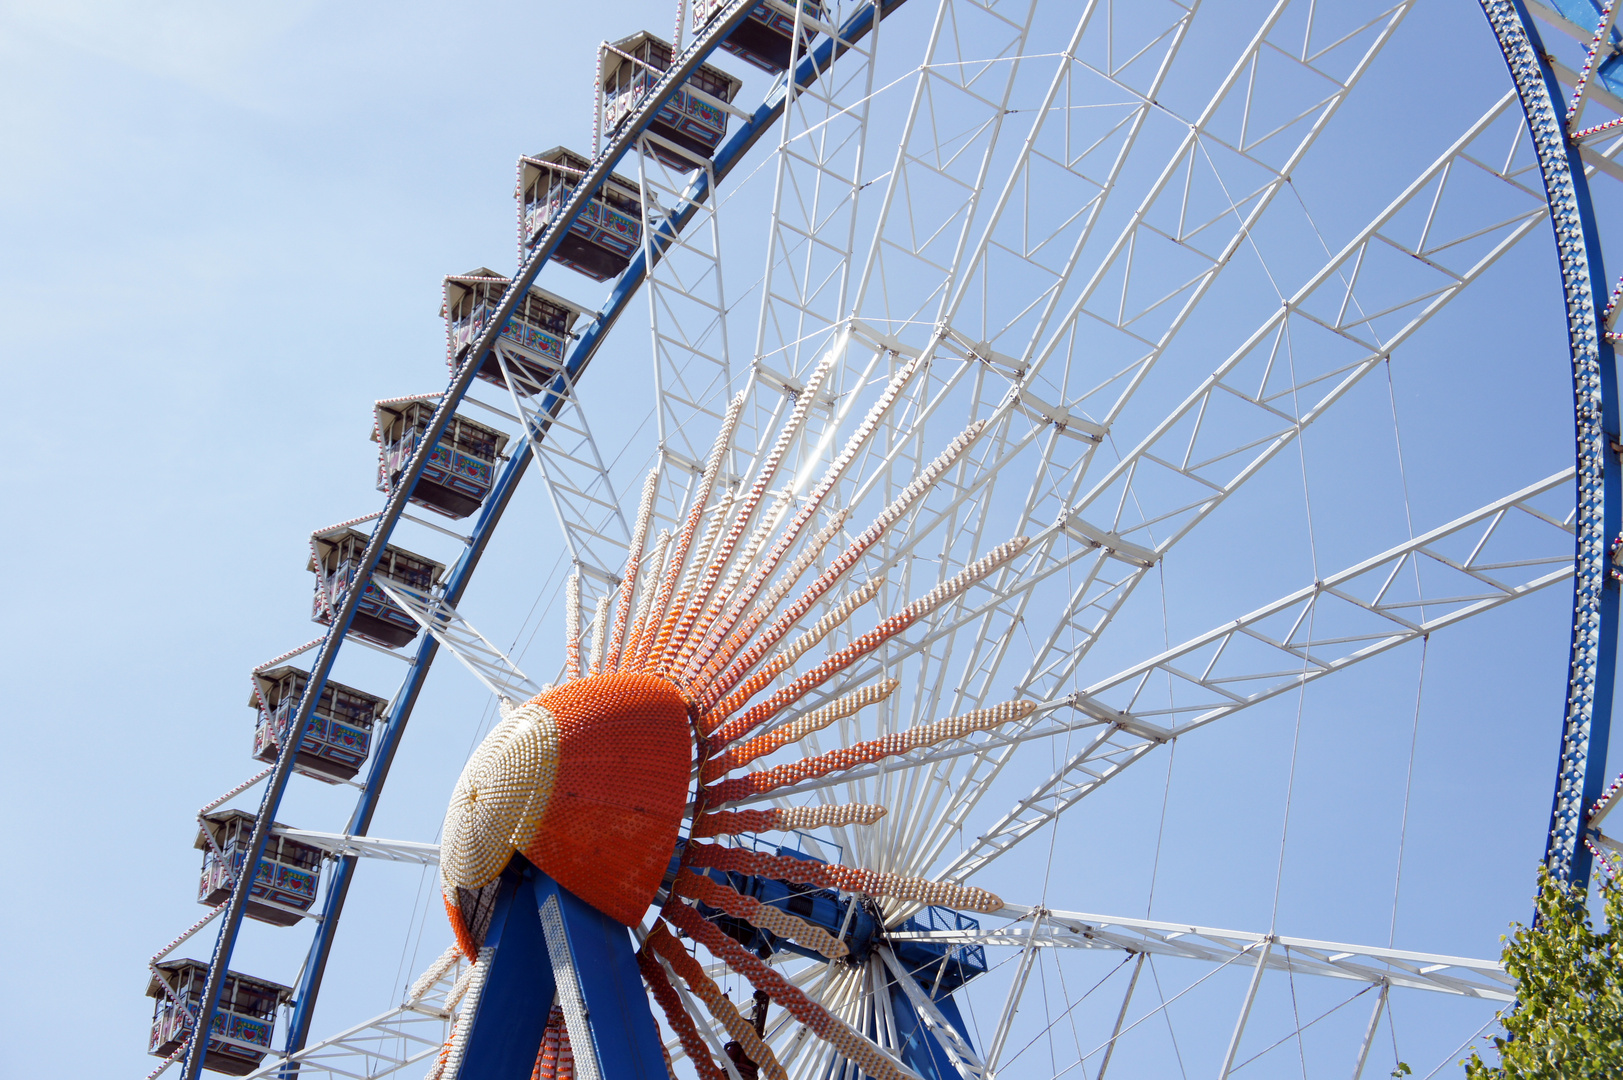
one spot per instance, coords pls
(1567, 1023)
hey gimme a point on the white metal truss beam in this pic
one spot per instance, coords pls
(821, 168)
(1457, 975)
(1337, 343)
(687, 313)
(1164, 214)
(1017, 989)
(1186, 467)
(1348, 341)
(367, 847)
(1347, 617)
(398, 1039)
(472, 649)
(572, 470)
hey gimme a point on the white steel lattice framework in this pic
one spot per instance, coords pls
(1025, 228)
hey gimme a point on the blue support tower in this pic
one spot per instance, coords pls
(545, 945)
(505, 1028)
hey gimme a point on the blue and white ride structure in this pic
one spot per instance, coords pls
(1092, 235)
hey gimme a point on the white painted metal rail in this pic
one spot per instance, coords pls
(1457, 975)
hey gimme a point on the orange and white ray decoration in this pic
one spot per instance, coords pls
(596, 780)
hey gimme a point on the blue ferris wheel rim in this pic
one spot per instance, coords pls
(1581, 765)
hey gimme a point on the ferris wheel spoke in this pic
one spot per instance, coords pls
(571, 465)
(840, 993)
(1076, 148)
(1347, 617)
(946, 147)
(1104, 587)
(1461, 582)
(1455, 975)
(1288, 374)
(484, 660)
(811, 232)
(816, 193)
(1224, 170)
(947, 566)
(687, 306)
(1131, 248)
(403, 1036)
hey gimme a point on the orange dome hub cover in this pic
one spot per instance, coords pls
(597, 770)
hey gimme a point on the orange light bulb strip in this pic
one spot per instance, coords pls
(628, 581)
(687, 1032)
(831, 477)
(572, 626)
(645, 603)
(850, 878)
(740, 754)
(769, 918)
(739, 726)
(866, 753)
(734, 822)
(705, 988)
(654, 661)
(555, 1060)
(797, 648)
(459, 927)
(848, 558)
(715, 520)
(864, 1054)
(684, 539)
(709, 659)
(763, 480)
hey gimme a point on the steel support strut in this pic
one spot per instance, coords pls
(1580, 774)
(546, 945)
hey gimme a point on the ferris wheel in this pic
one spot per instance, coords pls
(1068, 457)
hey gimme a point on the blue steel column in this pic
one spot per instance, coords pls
(623, 1037)
(506, 1024)
(1581, 772)
(545, 944)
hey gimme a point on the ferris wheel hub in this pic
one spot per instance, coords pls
(588, 781)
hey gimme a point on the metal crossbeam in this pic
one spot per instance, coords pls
(1186, 467)
(1345, 618)
(1026, 413)
(367, 847)
(1144, 509)
(472, 649)
(577, 482)
(1233, 678)
(687, 313)
(404, 1036)
(1456, 975)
